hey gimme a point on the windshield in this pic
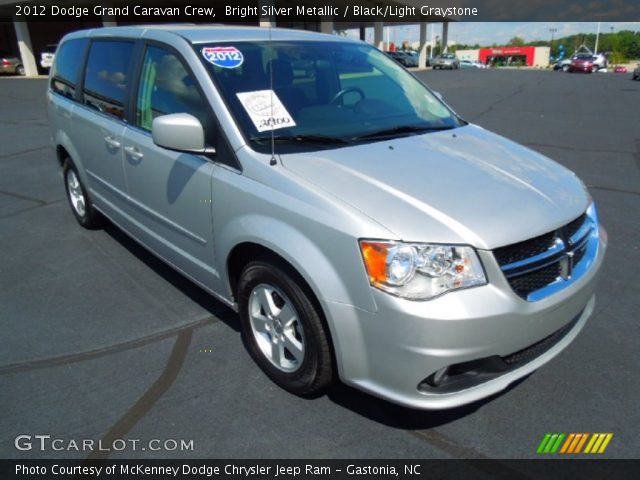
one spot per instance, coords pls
(320, 94)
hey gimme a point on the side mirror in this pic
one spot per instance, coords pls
(179, 131)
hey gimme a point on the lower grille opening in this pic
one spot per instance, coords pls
(461, 376)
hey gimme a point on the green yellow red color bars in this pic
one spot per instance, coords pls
(574, 443)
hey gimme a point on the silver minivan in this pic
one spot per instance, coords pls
(362, 230)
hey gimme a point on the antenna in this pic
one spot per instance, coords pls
(273, 162)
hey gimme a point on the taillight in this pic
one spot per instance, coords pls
(6, 62)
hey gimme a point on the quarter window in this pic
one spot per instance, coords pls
(166, 87)
(67, 66)
(107, 77)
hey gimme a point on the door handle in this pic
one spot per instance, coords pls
(112, 142)
(134, 153)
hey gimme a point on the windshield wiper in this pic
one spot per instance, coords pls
(321, 139)
(388, 132)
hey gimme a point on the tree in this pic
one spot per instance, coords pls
(516, 42)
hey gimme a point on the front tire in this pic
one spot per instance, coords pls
(80, 203)
(283, 329)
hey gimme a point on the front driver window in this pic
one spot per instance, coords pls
(166, 87)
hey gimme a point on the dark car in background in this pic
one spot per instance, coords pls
(413, 56)
(401, 58)
(11, 63)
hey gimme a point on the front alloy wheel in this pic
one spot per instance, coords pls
(275, 327)
(283, 328)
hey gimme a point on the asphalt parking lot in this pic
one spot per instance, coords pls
(100, 340)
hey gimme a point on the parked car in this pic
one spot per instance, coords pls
(401, 58)
(620, 69)
(413, 56)
(446, 60)
(471, 64)
(582, 63)
(361, 229)
(47, 55)
(11, 63)
(562, 65)
(600, 61)
(636, 72)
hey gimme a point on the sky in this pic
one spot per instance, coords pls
(487, 33)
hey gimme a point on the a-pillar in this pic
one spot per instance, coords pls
(26, 49)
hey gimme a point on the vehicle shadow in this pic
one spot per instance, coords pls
(361, 403)
(203, 298)
(396, 416)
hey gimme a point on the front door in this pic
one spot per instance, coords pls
(170, 192)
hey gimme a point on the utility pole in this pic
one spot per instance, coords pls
(553, 31)
(595, 51)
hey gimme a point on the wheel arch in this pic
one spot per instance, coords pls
(246, 252)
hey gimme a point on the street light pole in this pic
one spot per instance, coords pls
(552, 30)
(597, 38)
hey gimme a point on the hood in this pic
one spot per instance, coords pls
(465, 186)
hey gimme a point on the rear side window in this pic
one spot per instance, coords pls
(107, 76)
(67, 66)
(167, 87)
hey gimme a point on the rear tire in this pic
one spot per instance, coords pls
(20, 71)
(79, 200)
(282, 328)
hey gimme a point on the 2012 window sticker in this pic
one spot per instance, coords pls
(224, 57)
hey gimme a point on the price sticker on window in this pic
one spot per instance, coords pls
(266, 110)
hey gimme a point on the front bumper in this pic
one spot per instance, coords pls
(391, 352)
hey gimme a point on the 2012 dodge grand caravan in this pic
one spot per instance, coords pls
(361, 228)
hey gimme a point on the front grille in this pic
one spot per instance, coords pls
(536, 263)
(577, 257)
(523, 250)
(523, 285)
(574, 226)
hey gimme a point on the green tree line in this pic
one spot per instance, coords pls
(625, 43)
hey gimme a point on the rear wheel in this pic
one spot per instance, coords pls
(20, 71)
(565, 68)
(283, 329)
(81, 205)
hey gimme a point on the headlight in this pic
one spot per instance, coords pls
(420, 271)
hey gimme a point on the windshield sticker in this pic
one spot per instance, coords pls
(224, 57)
(266, 110)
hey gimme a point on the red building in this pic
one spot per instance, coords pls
(517, 55)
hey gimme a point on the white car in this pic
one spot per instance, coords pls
(47, 56)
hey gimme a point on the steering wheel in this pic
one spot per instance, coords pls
(344, 91)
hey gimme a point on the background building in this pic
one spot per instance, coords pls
(508, 56)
